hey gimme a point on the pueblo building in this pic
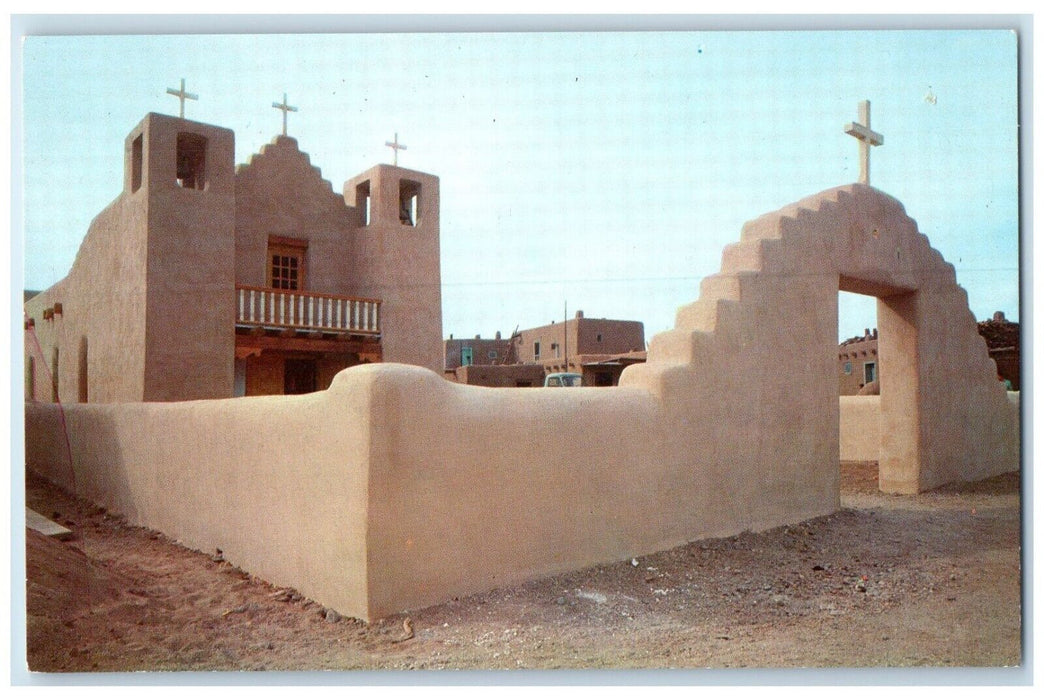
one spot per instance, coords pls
(204, 279)
(465, 352)
(597, 348)
(857, 358)
(860, 367)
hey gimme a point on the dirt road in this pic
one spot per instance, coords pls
(928, 580)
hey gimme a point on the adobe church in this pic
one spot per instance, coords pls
(204, 279)
(705, 439)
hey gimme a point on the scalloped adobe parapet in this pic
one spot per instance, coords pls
(765, 328)
(282, 161)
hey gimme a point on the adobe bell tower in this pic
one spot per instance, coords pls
(179, 191)
(397, 259)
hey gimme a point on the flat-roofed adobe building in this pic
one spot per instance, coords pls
(859, 365)
(857, 358)
(464, 352)
(597, 348)
(204, 279)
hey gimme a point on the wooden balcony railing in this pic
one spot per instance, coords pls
(307, 311)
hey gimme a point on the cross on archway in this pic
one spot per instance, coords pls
(396, 147)
(284, 107)
(867, 138)
(182, 96)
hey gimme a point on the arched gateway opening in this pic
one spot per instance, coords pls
(731, 425)
(773, 305)
(897, 455)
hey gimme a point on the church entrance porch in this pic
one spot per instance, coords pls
(274, 364)
(286, 372)
(294, 342)
(299, 375)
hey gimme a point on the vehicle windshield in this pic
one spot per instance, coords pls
(571, 380)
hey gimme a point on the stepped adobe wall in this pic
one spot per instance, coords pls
(395, 489)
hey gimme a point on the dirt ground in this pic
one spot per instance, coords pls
(887, 581)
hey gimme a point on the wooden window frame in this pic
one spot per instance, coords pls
(295, 249)
(872, 366)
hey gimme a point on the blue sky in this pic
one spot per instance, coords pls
(603, 170)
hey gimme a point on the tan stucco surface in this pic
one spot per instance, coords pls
(149, 298)
(498, 375)
(277, 483)
(115, 248)
(443, 489)
(279, 192)
(149, 306)
(944, 415)
(401, 265)
(860, 428)
(190, 301)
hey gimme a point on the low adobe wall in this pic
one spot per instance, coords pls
(860, 428)
(499, 375)
(277, 483)
(395, 489)
(387, 491)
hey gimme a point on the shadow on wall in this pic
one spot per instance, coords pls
(60, 443)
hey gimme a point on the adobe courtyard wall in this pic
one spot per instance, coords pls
(279, 484)
(860, 426)
(396, 489)
(475, 487)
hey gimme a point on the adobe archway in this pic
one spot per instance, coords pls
(731, 425)
(764, 331)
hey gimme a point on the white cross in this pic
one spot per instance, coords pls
(182, 96)
(285, 108)
(396, 147)
(867, 138)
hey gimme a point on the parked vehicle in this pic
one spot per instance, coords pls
(563, 379)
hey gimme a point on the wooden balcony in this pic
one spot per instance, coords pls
(261, 308)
